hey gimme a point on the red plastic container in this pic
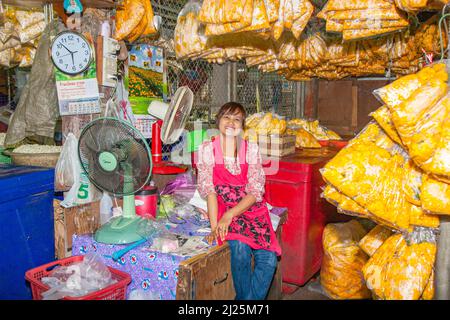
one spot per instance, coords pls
(146, 202)
(116, 291)
(297, 186)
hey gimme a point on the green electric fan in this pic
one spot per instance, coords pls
(117, 159)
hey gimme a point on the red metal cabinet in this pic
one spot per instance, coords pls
(297, 185)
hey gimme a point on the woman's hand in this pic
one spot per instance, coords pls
(210, 238)
(222, 226)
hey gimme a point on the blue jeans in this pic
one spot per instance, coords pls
(248, 284)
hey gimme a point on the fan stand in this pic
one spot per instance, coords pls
(159, 166)
(123, 229)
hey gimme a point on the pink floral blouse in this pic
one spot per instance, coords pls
(205, 165)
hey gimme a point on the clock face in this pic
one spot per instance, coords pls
(71, 52)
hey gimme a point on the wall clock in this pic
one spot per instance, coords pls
(71, 52)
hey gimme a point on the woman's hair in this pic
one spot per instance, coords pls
(231, 108)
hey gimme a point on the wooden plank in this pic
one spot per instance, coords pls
(367, 102)
(354, 122)
(335, 105)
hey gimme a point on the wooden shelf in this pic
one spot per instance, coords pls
(101, 4)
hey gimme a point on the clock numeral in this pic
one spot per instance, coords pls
(67, 66)
(70, 37)
(85, 60)
(86, 52)
(59, 46)
(83, 45)
(61, 61)
(64, 40)
(81, 66)
(57, 53)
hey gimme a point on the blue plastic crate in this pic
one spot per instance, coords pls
(26, 226)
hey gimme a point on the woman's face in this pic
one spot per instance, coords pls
(231, 124)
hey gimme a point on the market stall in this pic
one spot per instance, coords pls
(106, 104)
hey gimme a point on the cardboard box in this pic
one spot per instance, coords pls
(83, 219)
(276, 145)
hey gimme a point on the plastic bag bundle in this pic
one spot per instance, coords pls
(374, 239)
(188, 41)
(419, 107)
(373, 171)
(134, 19)
(362, 19)
(77, 279)
(265, 123)
(383, 117)
(401, 271)
(293, 15)
(341, 271)
(435, 196)
(19, 36)
(343, 203)
(270, 17)
(303, 139)
(313, 127)
(414, 6)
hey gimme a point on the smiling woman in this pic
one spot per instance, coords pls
(231, 178)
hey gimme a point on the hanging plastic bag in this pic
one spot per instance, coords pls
(82, 190)
(64, 178)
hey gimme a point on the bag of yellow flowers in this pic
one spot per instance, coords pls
(402, 267)
(341, 276)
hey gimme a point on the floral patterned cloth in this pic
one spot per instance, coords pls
(255, 175)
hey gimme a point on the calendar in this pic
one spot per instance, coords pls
(144, 124)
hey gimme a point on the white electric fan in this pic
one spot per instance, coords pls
(169, 127)
(116, 158)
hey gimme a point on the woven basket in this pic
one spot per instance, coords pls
(48, 160)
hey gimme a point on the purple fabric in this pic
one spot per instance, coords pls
(149, 270)
(277, 211)
(183, 184)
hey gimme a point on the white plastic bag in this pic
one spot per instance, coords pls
(82, 190)
(64, 173)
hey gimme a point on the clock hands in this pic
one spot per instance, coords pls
(66, 48)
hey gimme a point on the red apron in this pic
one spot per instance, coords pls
(252, 227)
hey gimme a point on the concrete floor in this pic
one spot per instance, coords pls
(310, 291)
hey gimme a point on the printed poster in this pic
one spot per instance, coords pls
(146, 82)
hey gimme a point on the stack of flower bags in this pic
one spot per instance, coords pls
(396, 173)
(360, 19)
(19, 36)
(267, 16)
(320, 55)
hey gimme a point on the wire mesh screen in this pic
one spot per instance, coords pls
(213, 85)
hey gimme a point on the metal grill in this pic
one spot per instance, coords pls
(213, 85)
